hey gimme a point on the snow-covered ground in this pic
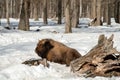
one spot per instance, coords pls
(17, 46)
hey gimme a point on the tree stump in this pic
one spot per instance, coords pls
(35, 62)
(101, 60)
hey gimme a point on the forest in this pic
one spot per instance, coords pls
(59, 39)
(100, 11)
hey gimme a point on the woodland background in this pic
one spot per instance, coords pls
(98, 10)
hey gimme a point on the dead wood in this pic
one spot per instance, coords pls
(101, 60)
(36, 62)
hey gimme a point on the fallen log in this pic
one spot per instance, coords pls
(101, 60)
(36, 62)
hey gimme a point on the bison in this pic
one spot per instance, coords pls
(55, 51)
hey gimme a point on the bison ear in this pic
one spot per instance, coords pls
(48, 45)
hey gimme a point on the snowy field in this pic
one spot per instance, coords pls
(17, 46)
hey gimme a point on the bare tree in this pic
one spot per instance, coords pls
(59, 13)
(68, 17)
(45, 12)
(117, 11)
(0, 11)
(80, 8)
(7, 12)
(24, 16)
(97, 13)
(107, 12)
(35, 4)
(84, 8)
(94, 9)
(75, 13)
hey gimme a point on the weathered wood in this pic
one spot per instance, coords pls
(36, 62)
(101, 60)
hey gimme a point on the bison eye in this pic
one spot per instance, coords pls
(40, 45)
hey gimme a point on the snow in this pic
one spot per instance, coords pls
(17, 46)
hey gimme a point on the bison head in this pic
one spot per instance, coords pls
(43, 47)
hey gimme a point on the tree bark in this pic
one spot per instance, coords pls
(59, 11)
(75, 14)
(45, 12)
(80, 8)
(0, 12)
(101, 60)
(68, 28)
(84, 8)
(108, 13)
(7, 13)
(24, 16)
(94, 9)
(97, 13)
(117, 11)
(35, 3)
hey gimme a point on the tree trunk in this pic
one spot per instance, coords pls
(35, 3)
(80, 8)
(94, 9)
(75, 14)
(108, 13)
(7, 13)
(101, 60)
(97, 13)
(24, 16)
(11, 8)
(59, 11)
(0, 12)
(63, 8)
(68, 17)
(104, 6)
(45, 12)
(84, 8)
(98, 10)
(117, 11)
(90, 9)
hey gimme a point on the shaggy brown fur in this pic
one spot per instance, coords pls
(56, 52)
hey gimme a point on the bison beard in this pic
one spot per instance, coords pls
(56, 52)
